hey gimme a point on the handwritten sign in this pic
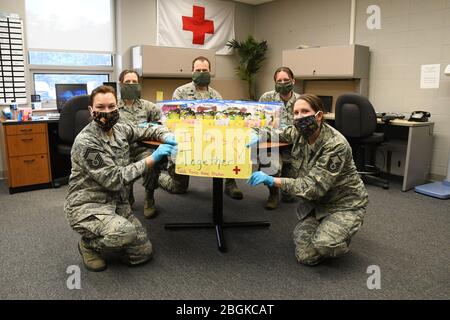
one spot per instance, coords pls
(213, 151)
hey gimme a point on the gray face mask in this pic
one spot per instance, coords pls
(130, 91)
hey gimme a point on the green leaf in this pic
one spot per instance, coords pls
(251, 57)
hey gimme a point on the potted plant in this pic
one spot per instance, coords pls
(251, 56)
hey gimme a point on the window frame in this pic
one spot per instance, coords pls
(52, 69)
(54, 66)
(32, 69)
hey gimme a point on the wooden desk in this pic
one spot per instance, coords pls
(26, 154)
(396, 122)
(415, 140)
(29, 154)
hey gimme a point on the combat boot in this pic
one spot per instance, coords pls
(272, 201)
(232, 190)
(149, 205)
(91, 259)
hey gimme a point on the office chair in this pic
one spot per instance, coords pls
(356, 119)
(73, 118)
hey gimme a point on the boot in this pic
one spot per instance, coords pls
(91, 259)
(232, 190)
(149, 205)
(272, 201)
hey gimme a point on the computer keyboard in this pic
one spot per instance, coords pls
(390, 115)
(52, 115)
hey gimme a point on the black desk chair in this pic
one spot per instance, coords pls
(356, 119)
(73, 118)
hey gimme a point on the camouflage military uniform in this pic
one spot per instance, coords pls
(97, 204)
(177, 183)
(188, 92)
(282, 166)
(287, 114)
(142, 111)
(332, 196)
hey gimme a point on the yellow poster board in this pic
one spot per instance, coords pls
(213, 151)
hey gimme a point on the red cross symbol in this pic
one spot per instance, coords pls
(236, 170)
(198, 25)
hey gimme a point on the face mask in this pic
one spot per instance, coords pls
(284, 88)
(306, 126)
(130, 91)
(201, 79)
(106, 120)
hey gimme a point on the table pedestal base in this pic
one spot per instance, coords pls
(218, 224)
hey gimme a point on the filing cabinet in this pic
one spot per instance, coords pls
(26, 154)
(340, 62)
(168, 62)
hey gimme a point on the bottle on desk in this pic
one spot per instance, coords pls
(13, 108)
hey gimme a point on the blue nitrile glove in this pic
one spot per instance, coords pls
(253, 140)
(170, 140)
(260, 177)
(164, 150)
(174, 152)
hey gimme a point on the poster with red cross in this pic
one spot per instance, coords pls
(200, 24)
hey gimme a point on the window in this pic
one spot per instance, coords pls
(44, 83)
(69, 42)
(70, 59)
(81, 25)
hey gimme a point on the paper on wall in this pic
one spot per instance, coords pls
(430, 76)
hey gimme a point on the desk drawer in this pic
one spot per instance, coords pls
(27, 144)
(29, 170)
(25, 129)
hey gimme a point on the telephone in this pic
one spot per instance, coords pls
(419, 116)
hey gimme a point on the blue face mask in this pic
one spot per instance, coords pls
(306, 126)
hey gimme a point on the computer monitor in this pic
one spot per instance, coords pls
(65, 91)
(111, 84)
(327, 102)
